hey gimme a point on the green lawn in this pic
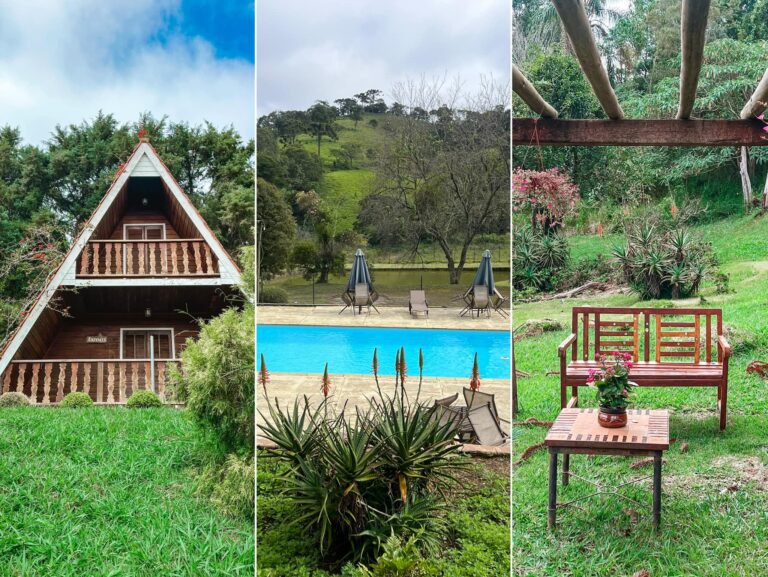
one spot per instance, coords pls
(477, 544)
(110, 492)
(714, 520)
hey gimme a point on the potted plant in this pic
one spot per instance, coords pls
(613, 387)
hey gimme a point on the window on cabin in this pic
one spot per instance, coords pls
(144, 232)
(136, 342)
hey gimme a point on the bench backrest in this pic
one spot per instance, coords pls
(668, 335)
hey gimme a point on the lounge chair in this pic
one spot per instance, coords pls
(497, 302)
(447, 401)
(456, 415)
(363, 298)
(476, 399)
(347, 299)
(485, 426)
(480, 300)
(418, 303)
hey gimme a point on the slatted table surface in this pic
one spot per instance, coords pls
(646, 430)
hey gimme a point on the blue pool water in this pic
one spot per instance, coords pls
(349, 350)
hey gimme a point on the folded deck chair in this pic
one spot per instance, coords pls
(347, 299)
(457, 416)
(418, 303)
(447, 401)
(476, 399)
(498, 303)
(485, 426)
(480, 300)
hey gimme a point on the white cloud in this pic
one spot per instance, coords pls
(62, 62)
(309, 50)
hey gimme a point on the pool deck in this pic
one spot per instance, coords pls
(354, 389)
(439, 318)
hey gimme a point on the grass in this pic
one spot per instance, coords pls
(107, 492)
(477, 544)
(714, 520)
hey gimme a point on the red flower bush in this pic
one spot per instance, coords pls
(548, 194)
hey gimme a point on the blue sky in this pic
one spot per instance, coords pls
(62, 62)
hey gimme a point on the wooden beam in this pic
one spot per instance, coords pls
(758, 101)
(576, 24)
(693, 29)
(669, 132)
(527, 91)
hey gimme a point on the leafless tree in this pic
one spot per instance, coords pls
(443, 177)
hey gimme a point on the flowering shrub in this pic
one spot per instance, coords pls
(548, 194)
(611, 380)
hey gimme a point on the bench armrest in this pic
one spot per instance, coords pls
(722, 343)
(568, 342)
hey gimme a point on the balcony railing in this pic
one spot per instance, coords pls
(47, 381)
(147, 258)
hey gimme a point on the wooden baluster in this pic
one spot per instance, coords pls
(142, 249)
(119, 266)
(174, 256)
(47, 384)
(108, 258)
(208, 258)
(73, 378)
(123, 382)
(100, 382)
(35, 380)
(160, 379)
(148, 376)
(61, 382)
(7, 379)
(87, 378)
(110, 382)
(128, 258)
(164, 258)
(86, 258)
(20, 377)
(198, 266)
(152, 258)
(184, 257)
(135, 367)
(96, 259)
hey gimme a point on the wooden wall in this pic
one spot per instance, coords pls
(144, 217)
(70, 340)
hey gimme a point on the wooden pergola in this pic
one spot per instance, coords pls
(548, 129)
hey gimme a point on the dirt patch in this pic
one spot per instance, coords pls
(534, 328)
(732, 473)
(747, 469)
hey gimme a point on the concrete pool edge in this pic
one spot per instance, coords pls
(390, 317)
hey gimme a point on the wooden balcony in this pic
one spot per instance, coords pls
(147, 258)
(109, 381)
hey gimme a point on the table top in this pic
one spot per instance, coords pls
(646, 430)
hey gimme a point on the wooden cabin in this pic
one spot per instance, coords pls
(128, 294)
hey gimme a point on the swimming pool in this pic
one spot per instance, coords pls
(349, 350)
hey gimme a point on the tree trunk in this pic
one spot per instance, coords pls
(323, 278)
(746, 185)
(453, 272)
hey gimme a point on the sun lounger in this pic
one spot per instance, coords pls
(485, 426)
(418, 303)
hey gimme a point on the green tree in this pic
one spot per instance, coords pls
(276, 228)
(322, 121)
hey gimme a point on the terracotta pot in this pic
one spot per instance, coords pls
(612, 418)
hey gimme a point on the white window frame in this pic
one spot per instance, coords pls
(126, 225)
(147, 329)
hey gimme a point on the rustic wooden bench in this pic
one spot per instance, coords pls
(670, 347)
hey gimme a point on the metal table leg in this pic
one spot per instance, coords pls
(656, 489)
(552, 506)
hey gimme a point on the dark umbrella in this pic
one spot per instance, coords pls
(484, 274)
(360, 273)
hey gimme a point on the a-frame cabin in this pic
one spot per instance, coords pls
(143, 269)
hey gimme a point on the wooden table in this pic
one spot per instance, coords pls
(576, 431)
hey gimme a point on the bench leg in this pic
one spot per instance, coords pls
(656, 489)
(566, 468)
(552, 503)
(723, 404)
(574, 396)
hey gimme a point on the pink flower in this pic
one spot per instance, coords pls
(761, 117)
(765, 128)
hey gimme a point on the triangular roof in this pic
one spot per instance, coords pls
(143, 161)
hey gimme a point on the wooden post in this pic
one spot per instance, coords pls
(525, 90)
(693, 29)
(758, 101)
(746, 185)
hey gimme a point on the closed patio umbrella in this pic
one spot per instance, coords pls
(360, 275)
(483, 278)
